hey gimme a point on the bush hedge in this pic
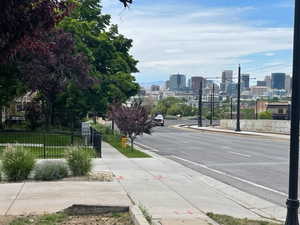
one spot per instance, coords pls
(51, 170)
(79, 161)
(17, 163)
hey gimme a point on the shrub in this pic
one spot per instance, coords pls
(17, 163)
(265, 115)
(51, 170)
(79, 161)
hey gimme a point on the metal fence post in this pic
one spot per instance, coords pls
(44, 140)
(91, 135)
(97, 143)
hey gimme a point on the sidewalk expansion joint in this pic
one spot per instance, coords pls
(15, 199)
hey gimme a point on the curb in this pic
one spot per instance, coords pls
(137, 216)
(230, 132)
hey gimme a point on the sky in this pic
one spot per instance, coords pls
(205, 37)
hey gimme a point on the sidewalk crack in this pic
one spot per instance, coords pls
(14, 200)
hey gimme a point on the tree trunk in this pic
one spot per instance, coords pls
(113, 126)
(131, 140)
(1, 124)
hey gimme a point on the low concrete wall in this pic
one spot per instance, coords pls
(268, 126)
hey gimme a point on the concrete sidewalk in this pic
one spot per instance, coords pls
(220, 130)
(169, 190)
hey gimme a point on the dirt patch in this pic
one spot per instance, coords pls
(110, 219)
(6, 219)
(63, 219)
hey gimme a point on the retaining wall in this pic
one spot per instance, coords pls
(268, 126)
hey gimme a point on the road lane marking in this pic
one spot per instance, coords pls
(231, 176)
(240, 154)
(147, 147)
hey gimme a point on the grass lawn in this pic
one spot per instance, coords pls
(114, 140)
(49, 152)
(228, 220)
(38, 138)
(61, 218)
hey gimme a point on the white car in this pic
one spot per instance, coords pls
(159, 120)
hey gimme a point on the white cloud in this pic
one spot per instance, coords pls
(191, 40)
(269, 54)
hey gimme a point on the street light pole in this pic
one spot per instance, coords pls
(238, 128)
(212, 105)
(292, 201)
(200, 105)
(231, 108)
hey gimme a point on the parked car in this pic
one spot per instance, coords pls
(159, 120)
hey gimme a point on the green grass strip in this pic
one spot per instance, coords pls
(229, 220)
(114, 140)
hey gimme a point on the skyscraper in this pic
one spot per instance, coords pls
(245, 85)
(195, 83)
(261, 83)
(278, 81)
(268, 81)
(177, 82)
(288, 83)
(227, 76)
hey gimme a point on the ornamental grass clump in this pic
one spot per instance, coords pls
(51, 170)
(79, 161)
(17, 163)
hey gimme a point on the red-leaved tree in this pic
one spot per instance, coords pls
(21, 19)
(131, 120)
(49, 72)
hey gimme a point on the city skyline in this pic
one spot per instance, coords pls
(206, 37)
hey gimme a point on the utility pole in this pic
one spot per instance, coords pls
(256, 111)
(292, 201)
(238, 128)
(212, 105)
(231, 108)
(200, 105)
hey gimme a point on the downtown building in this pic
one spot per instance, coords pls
(227, 77)
(245, 82)
(278, 81)
(195, 83)
(177, 82)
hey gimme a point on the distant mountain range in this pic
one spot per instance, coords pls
(148, 84)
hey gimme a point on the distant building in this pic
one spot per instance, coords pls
(231, 89)
(167, 85)
(261, 83)
(195, 83)
(268, 81)
(280, 110)
(155, 87)
(189, 85)
(177, 82)
(257, 91)
(227, 76)
(261, 106)
(245, 81)
(288, 83)
(278, 80)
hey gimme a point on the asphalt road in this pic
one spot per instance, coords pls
(257, 165)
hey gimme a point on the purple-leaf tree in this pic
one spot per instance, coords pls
(49, 72)
(19, 20)
(132, 120)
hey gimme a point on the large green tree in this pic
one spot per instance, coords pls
(108, 52)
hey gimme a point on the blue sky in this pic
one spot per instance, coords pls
(204, 37)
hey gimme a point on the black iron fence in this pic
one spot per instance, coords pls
(47, 144)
